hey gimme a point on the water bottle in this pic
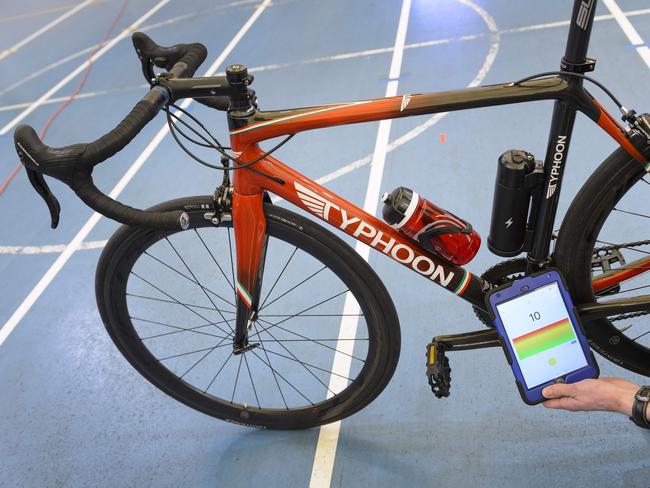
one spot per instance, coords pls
(432, 227)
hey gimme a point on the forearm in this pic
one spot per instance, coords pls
(625, 400)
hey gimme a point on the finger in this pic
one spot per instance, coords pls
(552, 403)
(558, 390)
(564, 403)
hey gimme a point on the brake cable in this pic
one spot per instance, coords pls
(216, 145)
(577, 75)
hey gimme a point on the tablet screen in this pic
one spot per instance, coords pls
(541, 335)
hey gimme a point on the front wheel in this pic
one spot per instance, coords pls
(327, 333)
(605, 231)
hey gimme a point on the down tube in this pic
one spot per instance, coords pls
(366, 228)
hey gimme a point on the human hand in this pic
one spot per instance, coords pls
(606, 394)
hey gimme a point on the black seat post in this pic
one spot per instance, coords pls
(577, 44)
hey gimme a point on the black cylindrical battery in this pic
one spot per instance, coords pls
(510, 204)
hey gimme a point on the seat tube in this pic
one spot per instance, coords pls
(564, 115)
(250, 248)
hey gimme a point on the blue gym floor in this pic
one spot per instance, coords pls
(72, 410)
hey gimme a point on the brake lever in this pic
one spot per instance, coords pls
(39, 184)
(151, 54)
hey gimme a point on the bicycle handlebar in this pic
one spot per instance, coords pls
(73, 165)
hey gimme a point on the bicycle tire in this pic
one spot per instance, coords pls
(122, 254)
(589, 220)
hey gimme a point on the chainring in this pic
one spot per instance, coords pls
(500, 274)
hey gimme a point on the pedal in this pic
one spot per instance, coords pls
(438, 370)
(603, 261)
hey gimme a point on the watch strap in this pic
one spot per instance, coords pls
(641, 400)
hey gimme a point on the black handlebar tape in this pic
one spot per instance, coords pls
(95, 199)
(113, 142)
(187, 65)
(63, 163)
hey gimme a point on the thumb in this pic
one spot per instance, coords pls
(558, 390)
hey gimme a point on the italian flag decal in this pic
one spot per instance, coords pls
(244, 295)
(462, 286)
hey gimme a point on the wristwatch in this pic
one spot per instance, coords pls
(641, 400)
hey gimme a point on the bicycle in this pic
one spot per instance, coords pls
(185, 347)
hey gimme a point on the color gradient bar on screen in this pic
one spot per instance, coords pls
(545, 338)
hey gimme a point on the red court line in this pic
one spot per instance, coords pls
(73, 95)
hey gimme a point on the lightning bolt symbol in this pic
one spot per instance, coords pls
(508, 222)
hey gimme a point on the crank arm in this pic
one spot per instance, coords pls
(469, 340)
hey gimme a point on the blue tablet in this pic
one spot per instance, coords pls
(540, 333)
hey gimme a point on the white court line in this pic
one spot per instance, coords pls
(321, 475)
(38, 13)
(143, 28)
(45, 69)
(629, 30)
(364, 161)
(80, 96)
(13, 49)
(81, 67)
(77, 240)
(51, 248)
(328, 435)
(322, 59)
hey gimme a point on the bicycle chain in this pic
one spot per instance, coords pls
(626, 245)
(627, 316)
(616, 247)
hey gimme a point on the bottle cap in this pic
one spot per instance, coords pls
(395, 204)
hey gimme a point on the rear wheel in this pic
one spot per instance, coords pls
(607, 227)
(327, 331)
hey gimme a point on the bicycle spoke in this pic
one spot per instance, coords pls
(191, 352)
(218, 372)
(634, 289)
(188, 308)
(202, 358)
(310, 365)
(623, 329)
(272, 371)
(283, 378)
(197, 281)
(232, 399)
(268, 295)
(631, 213)
(252, 383)
(176, 302)
(639, 337)
(302, 364)
(179, 329)
(309, 308)
(311, 340)
(315, 315)
(187, 278)
(293, 288)
(214, 259)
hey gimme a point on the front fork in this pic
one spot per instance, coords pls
(249, 224)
